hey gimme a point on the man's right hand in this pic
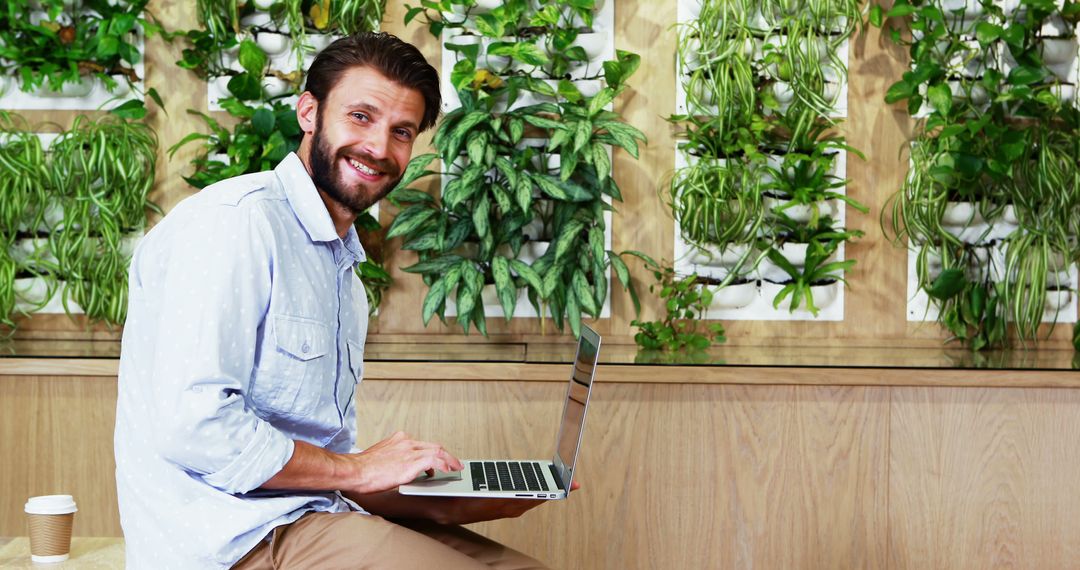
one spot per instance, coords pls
(389, 463)
(396, 461)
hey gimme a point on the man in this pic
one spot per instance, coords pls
(244, 343)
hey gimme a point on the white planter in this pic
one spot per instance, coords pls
(783, 92)
(1058, 50)
(824, 295)
(734, 296)
(714, 257)
(1008, 215)
(594, 44)
(795, 253)
(483, 6)
(964, 8)
(275, 86)
(703, 93)
(800, 212)
(122, 86)
(589, 87)
(319, 42)
(978, 95)
(691, 55)
(81, 88)
(1066, 92)
(533, 250)
(961, 214)
(273, 43)
(26, 249)
(1058, 299)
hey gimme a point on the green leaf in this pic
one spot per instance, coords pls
(245, 86)
(584, 293)
(434, 299)
(569, 234)
(601, 161)
(947, 284)
(899, 10)
(480, 216)
(504, 286)
(527, 273)
(573, 312)
(1026, 75)
(157, 99)
(601, 100)
(132, 109)
(252, 57)
(988, 33)
(549, 186)
(899, 91)
(543, 122)
(263, 121)
(940, 97)
(416, 169)
(435, 265)
(877, 16)
(410, 219)
(551, 279)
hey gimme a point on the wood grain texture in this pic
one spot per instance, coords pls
(675, 476)
(96, 553)
(984, 479)
(56, 438)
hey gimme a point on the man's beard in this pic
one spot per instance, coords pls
(326, 174)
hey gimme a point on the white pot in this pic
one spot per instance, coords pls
(122, 86)
(715, 257)
(693, 9)
(273, 43)
(1008, 215)
(256, 19)
(319, 42)
(795, 253)
(1058, 299)
(734, 296)
(800, 212)
(37, 248)
(1066, 92)
(703, 93)
(588, 87)
(1058, 50)
(594, 44)
(965, 8)
(81, 88)
(275, 86)
(783, 92)
(263, 5)
(831, 92)
(533, 250)
(691, 55)
(978, 95)
(961, 214)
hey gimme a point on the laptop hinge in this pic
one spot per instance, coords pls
(555, 475)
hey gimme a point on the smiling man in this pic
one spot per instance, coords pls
(236, 414)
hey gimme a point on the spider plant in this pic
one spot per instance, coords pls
(24, 193)
(818, 268)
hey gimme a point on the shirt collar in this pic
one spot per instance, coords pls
(309, 208)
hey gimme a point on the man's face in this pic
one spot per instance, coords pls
(363, 137)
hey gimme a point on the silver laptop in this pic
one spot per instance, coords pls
(527, 479)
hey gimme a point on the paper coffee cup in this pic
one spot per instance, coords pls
(50, 518)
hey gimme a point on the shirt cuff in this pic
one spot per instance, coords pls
(266, 454)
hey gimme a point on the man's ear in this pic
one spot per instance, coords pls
(307, 109)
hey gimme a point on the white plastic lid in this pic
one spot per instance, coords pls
(50, 505)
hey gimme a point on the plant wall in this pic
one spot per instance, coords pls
(253, 56)
(72, 206)
(522, 225)
(758, 193)
(990, 209)
(74, 54)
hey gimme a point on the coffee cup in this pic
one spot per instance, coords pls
(50, 518)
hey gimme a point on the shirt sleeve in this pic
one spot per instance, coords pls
(213, 278)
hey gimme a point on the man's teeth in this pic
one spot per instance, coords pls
(362, 168)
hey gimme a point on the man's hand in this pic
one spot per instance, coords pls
(384, 466)
(395, 461)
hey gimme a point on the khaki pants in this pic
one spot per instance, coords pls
(355, 540)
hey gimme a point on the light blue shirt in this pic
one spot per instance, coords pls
(245, 331)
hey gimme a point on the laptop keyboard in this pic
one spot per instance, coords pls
(507, 476)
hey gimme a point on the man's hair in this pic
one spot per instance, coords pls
(399, 61)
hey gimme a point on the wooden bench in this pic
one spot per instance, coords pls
(98, 553)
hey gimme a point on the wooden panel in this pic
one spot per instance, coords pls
(984, 478)
(675, 476)
(56, 437)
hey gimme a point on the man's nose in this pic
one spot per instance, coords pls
(377, 142)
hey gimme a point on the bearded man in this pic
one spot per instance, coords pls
(236, 416)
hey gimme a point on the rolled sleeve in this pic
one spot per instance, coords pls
(266, 453)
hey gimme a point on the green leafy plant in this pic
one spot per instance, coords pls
(504, 192)
(998, 137)
(54, 43)
(685, 298)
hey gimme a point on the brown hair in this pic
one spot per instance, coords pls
(399, 61)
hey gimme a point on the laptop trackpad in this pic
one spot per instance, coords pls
(438, 476)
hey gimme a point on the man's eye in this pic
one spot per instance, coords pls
(404, 133)
(360, 116)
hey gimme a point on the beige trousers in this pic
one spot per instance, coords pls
(355, 540)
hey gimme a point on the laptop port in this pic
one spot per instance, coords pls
(521, 495)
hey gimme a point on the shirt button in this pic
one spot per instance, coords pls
(305, 348)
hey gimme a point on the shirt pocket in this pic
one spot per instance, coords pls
(291, 378)
(347, 388)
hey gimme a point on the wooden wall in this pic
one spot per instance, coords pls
(682, 475)
(875, 304)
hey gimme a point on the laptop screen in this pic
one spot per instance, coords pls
(577, 398)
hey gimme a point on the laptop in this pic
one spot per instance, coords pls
(528, 479)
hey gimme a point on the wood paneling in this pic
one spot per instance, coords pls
(983, 479)
(56, 437)
(674, 476)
